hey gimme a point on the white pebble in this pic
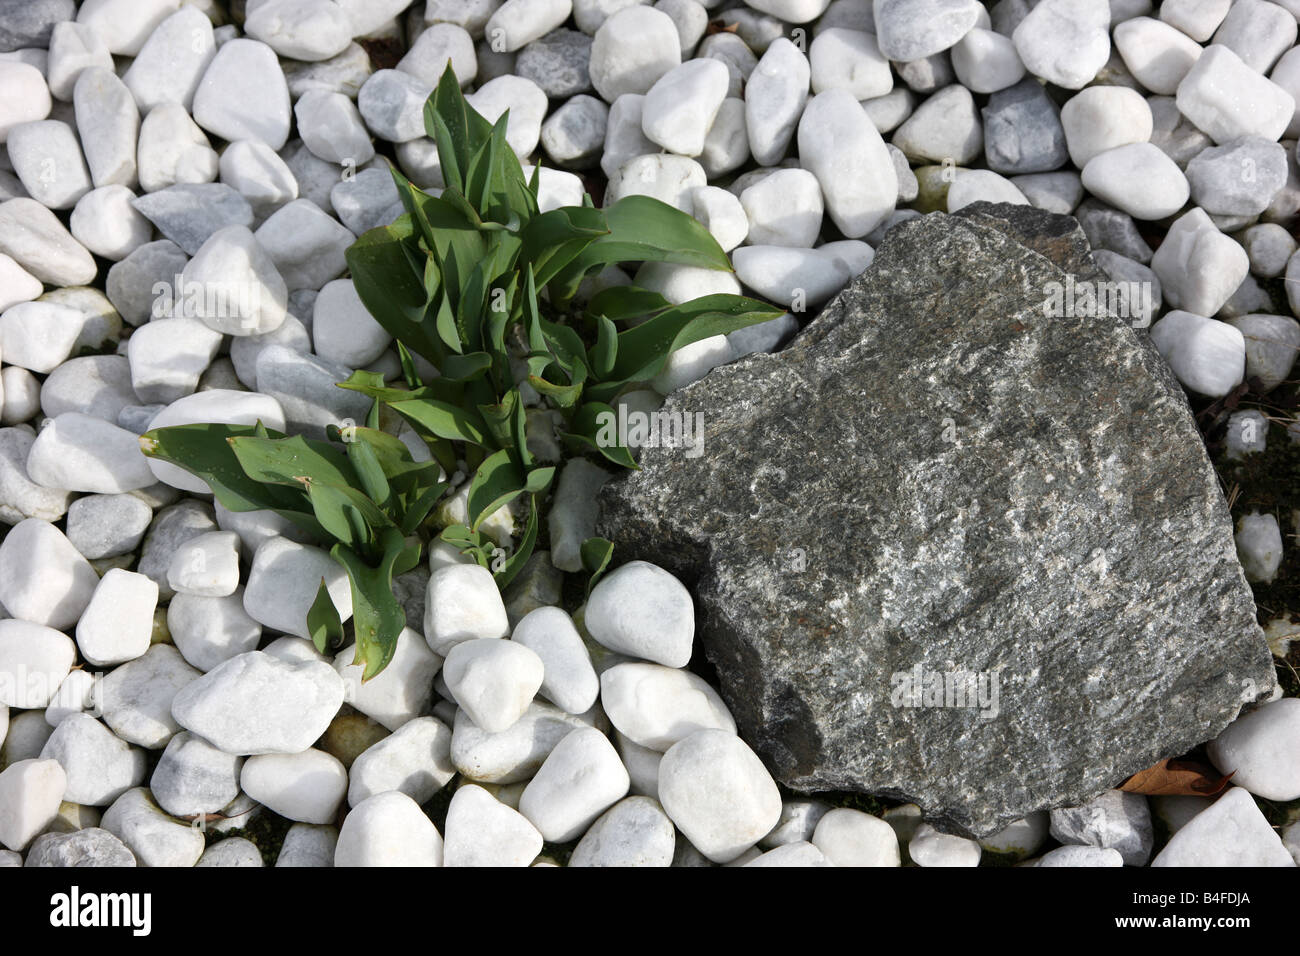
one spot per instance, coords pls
(117, 625)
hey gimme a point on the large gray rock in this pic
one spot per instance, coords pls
(937, 477)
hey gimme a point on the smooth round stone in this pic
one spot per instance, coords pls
(305, 787)
(283, 583)
(47, 157)
(44, 580)
(194, 778)
(308, 845)
(624, 138)
(173, 150)
(691, 363)
(331, 127)
(680, 107)
(1022, 130)
(929, 847)
(574, 135)
(1259, 547)
(105, 222)
(16, 283)
(632, 49)
(79, 693)
(174, 524)
(90, 847)
(168, 358)
(172, 61)
(124, 25)
(986, 61)
(243, 292)
(842, 148)
(392, 105)
(35, 239)
(39, 336)
(137, 696)
(482, 831)
(1207, 356)
(558, 63)
(519, 22)
(1076, 856)
(462, 603)
(30, 794)
(581, 778)
(793, 278)
(791, 854)
(784, 209)
(774, 100)
(517, 753)
(155, 838)
(399, 693)
(797, 824)
(1157, 54)
(1198, 266)
(1259, 32)
(234, 851)
(1226, 99)
(944, 129)
(367, 201)
(343, 330)
(853, 838)
(143, 286)
(26, 735)
(117, 625)
(22, 402)
(914, 29)
(243, 95)
(665, 177)
(254, 704)
(656, 706)
(207, 565)
(1020, 839)
(439, 46)
(108, 125)
(1138, 179)
(633, 832)
(210, 630)
(388, 829)
(849, 60)
(1238, 179)
(1231, 832)
(99, 766)
(569, 681)
(300, 29)
(20, 497)
(981, 185)
(1101, 118)
(221, 406)
(1270, 247)
(1198, 19)
(415, 759)
(307, 246)
(1114, 820)
(84, 453)
(1272, 344)
(254, 170)
(1065, 42)
(718, 793)
(526, 103)
(24, 97)
(643, 611)
(721, 213)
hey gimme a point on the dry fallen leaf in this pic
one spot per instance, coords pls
(1177, 777)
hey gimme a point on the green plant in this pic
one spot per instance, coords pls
(482, 285)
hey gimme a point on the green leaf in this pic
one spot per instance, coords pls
(623, 302)
(565, 396)
(515, 562)
(369, 469)
(642, 229)
(554, 239)
(595, 554)
(204, 451)
(603, 354)
(293, 461)
(497, 482)
(323, 622)
(588, 430)
(418, 509)
(642, 350)
(539, 479)
(444, 419)
(377, 616)
(386, 269)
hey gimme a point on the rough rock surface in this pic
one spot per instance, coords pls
(937, 475)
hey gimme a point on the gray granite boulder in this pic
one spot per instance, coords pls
(951, 545)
